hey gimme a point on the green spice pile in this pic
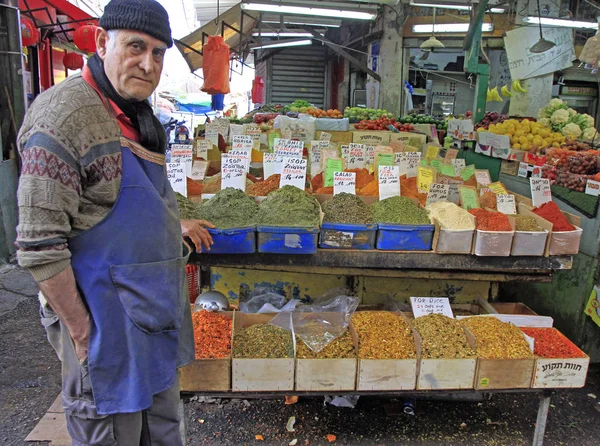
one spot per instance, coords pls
(289, 206)
(443, 338)
(496, 339)
(230, 208)
(188, 210)
(399, 210)
(263, 341)
(340, 348)
(347, 208)
(383, 335)
(527, 223)
(450, 216)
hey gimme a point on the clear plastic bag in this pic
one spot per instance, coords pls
(267, 300)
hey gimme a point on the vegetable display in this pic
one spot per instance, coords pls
(440, 124)
(355, 114)
(383, 123)
(561, 118)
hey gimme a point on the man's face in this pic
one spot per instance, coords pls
(133, 61)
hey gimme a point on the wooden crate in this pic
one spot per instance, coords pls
(504, 373)
(207, 374)
(260, 374)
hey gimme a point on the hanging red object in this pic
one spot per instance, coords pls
(215, 66)
(73, 61)
(29, 32)
(85, 38)
(258, 88)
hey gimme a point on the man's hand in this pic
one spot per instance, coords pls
(194, 229)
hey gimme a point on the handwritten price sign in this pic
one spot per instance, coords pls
(233, 172)
(506, 204)
(389, 182)
(177, 177)
(344, 182)
(437, 192)
(540, 191)
(357, 157)
(422, 306)
(293, 173)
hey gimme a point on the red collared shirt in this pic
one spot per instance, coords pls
(127, 127)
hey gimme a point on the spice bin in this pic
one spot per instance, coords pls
(565, 243)
(453, 241)
(207, 374)
(347, 236)
(405, 237)
(287, 240)
(494, 243)
(233, 241)
(529, 243)
(259, 374)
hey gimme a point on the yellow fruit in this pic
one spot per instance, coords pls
(530, 137)
(526, 146)
(516, 146)
(492, 127)
(481, 129)
(514, 140)
(525, 121)
(519, 133)
(523, 140)
(555, 144)
(537, 140)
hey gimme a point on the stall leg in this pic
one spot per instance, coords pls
(542, 417)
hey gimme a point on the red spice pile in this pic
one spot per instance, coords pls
(551, 212)
(212, 335)
(488, 200)
(549, 343)
(264, 188)
(490, 221)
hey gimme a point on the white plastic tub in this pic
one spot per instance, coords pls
(455, 241)
(565, 243)
(526, 243)
(493, 243)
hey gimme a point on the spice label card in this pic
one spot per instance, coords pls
(468, 197)
(235, 129)
(453, 195)
(325, 136)
(385, 159)
(315, 161)
(184, 154)
(345, 152)
(202, 148)
(432, 152)
(242, 142)
(293, 173)
(540, 191)
(344, 182)
(459, 164)
(483, 177)
(177, 177)
(498, 188)
(506, 204)
(327, 154)
(436, 164)
(425, 178)
(467, 172)
(523, 169)
(270, 165)
(199, 169)
(357, 157)
(451, 154)
(212, 136)
(244, 154)
(389, 181)
(233, 171)
(448, 169)
(592, 188)
(326, 145)
(254, 131)
(422, 306)
(408, 163)
(288, 144)
(437, 192)
(333, 165)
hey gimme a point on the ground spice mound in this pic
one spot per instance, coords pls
(490, 220)
(363, 177)
(443, 338)
(347, 208)
(325, 190)
(188, 210)
(212, 335)
(264, 188)
(383, 335)
(450, 216)
(289, 206)
(263, 341)
(488, 200)
(527, 224)
(230, 208)
(496, 339)
(399, 210)
(551, 212)
(340, 348)
(550, 343)
(212, 184)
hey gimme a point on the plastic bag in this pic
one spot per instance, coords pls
(319, 324)
(267, 300)
(215, 66)
(302, 129)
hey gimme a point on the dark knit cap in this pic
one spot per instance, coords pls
(147, 16)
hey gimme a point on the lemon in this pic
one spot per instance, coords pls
(516, 146)
(523, 140)
(530, 137)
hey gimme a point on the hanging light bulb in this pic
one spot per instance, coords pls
(542, 45)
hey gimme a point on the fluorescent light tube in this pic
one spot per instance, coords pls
(457, 7)
(560, 22)
(305, 10)
(282, 43)
(306, 23)
(282, 34)
(449, 28)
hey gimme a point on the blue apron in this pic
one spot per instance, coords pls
(130, 270)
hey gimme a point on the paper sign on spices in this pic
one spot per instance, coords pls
(437, 192)
(453, 195)
(293, 172)
(344, 182)
(436, 164)
(432, 152)
(212, 136)
(177, 177)
(451, 154)
(332, 165)
(425, 177)
(184, 154)
(497, 188)
(357, 156)
(202, 148)
(327, 154)
(408, 163)
(483, 177)
(467, 172)
(233, 172)
(459, 164)
(199, 169)
(448, 169)
(506, 204)
(468, 197)
(325, 136)
(270, 165)
(540, 191)
(422, 306)
(389, 181)
(315, 160)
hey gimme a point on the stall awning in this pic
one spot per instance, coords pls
(234, 25)
(54, 6)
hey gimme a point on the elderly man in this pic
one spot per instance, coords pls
(100, 232)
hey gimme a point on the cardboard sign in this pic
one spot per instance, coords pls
(468, 197)
(183, 154)
(327, 154)
(467, 172)
(483, 190)
(592, 188)
(345, 151)
(325, 145)
(244, 154)
(270, 165)
(199, 169)
(540, 191)
(177, 177)
(202, 148)
(436, 164)
(254, 131)
(315, 160)
(408, 163)
(212, 136)
(425, 178)
(244, 142)
(448, 169)
(325, 136)
(235, 129)
(451, 154)
(422, 306)
(483, 177)
(523, 169)
(506, 204)
(437, 192)
(293, 173)
(432, 152)
(385, 159)
(233, 172)
(333, 165)
(290, 144)
(344, 182)
(370, 155)
(453, 195)
(389, 181)
(459, 164)
(357, 158)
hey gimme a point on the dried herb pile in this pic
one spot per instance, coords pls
(263, 341)
(527, 224)
(212, 335)
(188, 210)
(549, 343)
(450, 216)
(289, 206)
(230, 208)
(347, 208)
(383, 335)
(496, 339)
(443, 338)
(399, 210)
(340, 348)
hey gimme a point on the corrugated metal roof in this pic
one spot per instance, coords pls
(206, 10)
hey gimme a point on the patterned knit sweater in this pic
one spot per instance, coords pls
(71, 154)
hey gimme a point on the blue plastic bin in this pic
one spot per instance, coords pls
(287, 240)
(405, 237)
(233, 241)
(347, 236)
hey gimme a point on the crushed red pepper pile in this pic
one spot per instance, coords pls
(552, 213)
(212, 335)
(550, 343)
(490, 221)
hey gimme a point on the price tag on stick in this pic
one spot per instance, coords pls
(199, 169)
(233, 172)
(177, 177)
(422, 306)
(437, 192)
(270, 165)
(540, 191)
(344, 182)
(357, 158)
(389, 182)
(293, 172)
(506, 204)
(202, 148)
(468, 197)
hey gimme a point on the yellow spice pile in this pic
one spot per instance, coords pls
(450, 216)
(496, 339)
(383, 335)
